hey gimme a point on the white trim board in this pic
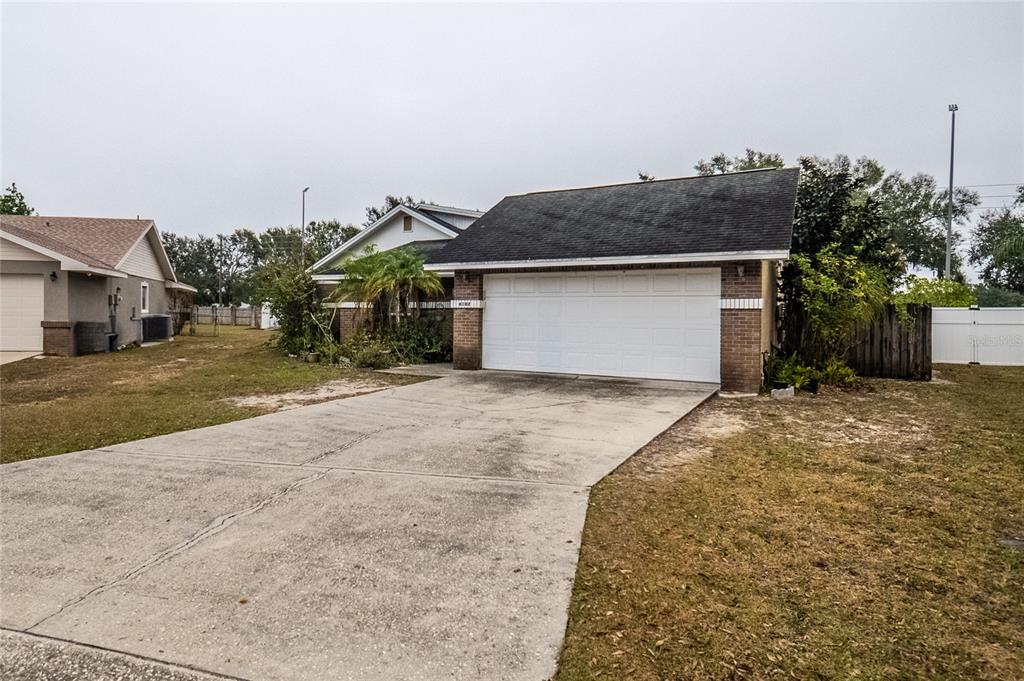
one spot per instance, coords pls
(613, 260)
(361, 236)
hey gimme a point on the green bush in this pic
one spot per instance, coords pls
(364, 349)
(794, 371)
(936, 292)
(837, 373)
(418, 340)
(414, 341)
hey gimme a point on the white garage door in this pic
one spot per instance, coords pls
(645, 324)
(21, 310)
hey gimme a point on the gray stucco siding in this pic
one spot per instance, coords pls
(129, 312)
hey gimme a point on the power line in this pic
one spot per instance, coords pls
(1005, 184)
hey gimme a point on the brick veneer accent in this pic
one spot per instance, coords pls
(348, 318)
(58, 338)
(743, 332)
(467, 324)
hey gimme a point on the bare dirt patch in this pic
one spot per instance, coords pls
(331, 390)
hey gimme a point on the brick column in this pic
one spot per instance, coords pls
(741, 327)
(58, 338)
(467, 324)
(347, 321)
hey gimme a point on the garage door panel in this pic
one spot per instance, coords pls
(703, 282)
(577, 285)
(607, 283)
(21, 311)
(656, 324)
(669, 282)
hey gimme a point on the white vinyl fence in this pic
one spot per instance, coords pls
(987, 335)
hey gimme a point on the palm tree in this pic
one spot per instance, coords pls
(389, 280)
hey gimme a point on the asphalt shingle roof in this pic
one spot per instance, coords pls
(748, 211)
(97, 242)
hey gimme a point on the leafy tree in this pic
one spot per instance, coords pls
(12, 202)
(916, 211)
(997, 245)
(837, 294)
(993, 296)
(834, 209)
(323, 236)
(195, 263)
(911, 212)
(294, 299)
(374, 213)
(751, 160)
(937, 292)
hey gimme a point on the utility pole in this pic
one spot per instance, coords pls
(949, 206)
(302, 233)
(220, 270)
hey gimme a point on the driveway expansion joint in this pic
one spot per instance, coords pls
(215, 526)
(187, 669)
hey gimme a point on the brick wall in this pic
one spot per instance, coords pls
(347, 321)
(58, 338)
(467, 324)
(741, 330)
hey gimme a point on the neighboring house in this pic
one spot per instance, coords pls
(426, 227)
(671, 279)
(70, 285)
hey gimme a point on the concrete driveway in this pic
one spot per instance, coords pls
(424, 532)
(11, 356)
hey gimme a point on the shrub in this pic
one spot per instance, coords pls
(795, 372)
(937, 292)
(837, 295)
(364, 349)
(837, 373)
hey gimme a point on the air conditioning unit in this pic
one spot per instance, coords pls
(157, 327)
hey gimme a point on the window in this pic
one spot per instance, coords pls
(407, 223)
(145, 297)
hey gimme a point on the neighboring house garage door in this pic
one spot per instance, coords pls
(644, 324)
(21, 310)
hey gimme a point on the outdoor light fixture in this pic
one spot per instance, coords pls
(740, 270)
(53, 276)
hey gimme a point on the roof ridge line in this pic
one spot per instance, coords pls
(664, 179)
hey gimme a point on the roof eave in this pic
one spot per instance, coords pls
(681, 258)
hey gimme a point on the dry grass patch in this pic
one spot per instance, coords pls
(847, 535)
(63, 404)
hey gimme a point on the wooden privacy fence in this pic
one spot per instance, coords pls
(895, 345)
(227, 314)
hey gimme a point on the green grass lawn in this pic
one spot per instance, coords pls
(864, 535)
(62, 404)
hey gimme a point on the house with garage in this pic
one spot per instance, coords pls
(427, 227)
(71, 285)
(670, 279)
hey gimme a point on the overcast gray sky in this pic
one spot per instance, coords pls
(211, 117)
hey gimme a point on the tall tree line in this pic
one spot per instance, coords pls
(228, 268)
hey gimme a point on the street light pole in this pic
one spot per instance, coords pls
(302, 232)
(949, 206)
